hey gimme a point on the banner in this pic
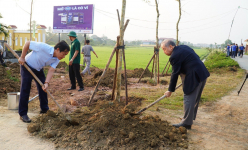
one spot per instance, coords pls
(78, 18)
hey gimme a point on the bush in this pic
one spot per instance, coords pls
(219, 60)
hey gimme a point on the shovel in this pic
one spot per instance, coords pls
(142, 110)
(73, 122)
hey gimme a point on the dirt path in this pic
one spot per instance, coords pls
(14, 134)
(222, 125)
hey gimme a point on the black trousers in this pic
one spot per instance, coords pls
(1, 58)
(241, 52)
(26, 80)
(74, 72)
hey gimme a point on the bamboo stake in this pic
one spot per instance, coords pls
(118, 84)
(118, 16)
(105, 70)
(158, 67)
(116, 64)
(165, 67)
(124, 61)
(146, 68)
(153, 64)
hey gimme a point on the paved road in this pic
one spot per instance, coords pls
(243, 62)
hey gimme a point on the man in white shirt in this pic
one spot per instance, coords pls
(41, 55)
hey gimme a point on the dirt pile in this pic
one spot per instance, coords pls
(9, 79)
(15, 70)
(62, 64)
(106, 125)
(106, 81)
(152, 83)
(136, 73)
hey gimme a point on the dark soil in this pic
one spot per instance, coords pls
(9, 79)
(107, 80)
(136, 73)
(108, 125)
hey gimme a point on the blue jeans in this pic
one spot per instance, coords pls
(233, 54)
(228, 53)
(26, 80)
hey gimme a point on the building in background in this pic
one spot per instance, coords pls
(152, 43)
(17, 38)
(246, 45)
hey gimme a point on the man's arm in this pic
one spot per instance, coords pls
(48, 78)
(82, 52)
(176, 66)
(74, 56)
(25, 49)
(95, 54)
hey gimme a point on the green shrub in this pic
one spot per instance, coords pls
(219, 60)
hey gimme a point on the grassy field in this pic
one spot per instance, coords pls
(136, 57)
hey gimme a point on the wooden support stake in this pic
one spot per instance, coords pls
(125, 70)
(116, 65)
(146, 68)
(118, 16)
(118, 81)
(105, 70)
(153, 64)
(158, 67)
(165, 67)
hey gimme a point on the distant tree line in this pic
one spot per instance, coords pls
(53, 38)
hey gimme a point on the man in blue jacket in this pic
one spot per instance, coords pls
(233, 50)
(241, 50)
(186, 63)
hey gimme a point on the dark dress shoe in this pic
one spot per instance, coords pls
(81, 89)
(25, 118)
(43, 111)
(182, 125)
(71, 88)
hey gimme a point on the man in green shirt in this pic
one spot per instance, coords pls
(74, 62)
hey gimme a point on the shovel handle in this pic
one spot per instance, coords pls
(162, 97)
(36, 78)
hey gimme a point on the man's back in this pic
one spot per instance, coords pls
(184, 60)
(86, 50)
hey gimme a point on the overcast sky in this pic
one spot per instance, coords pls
(203, 21)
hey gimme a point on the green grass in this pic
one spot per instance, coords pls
(136, 57)
(219, 60)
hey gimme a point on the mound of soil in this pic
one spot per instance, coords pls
(136, 73)
(152, 83)
(62, 64)
(7, 86)
(15, 70)
(9, 79)
(108, 125)
(106, 81)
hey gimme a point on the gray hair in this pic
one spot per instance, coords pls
(167, 43)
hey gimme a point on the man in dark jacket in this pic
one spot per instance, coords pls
(186, 63)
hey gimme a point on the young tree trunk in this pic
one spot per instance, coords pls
(30, 21)
(118, 83)
(157, 46)
(179, 1)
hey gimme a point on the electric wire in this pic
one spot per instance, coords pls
(171, 22)
(161, 29)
